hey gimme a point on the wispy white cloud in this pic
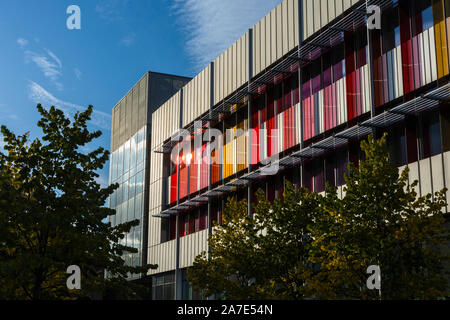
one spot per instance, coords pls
(78, 73)
(37, 94)
(55, 58)
(111, 10)
(212, 26)
(49, 64)
(22, 42)
(6, 114)
(103, 179)
(128, 40)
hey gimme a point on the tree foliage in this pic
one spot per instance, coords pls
(307, 245)
(52, 214)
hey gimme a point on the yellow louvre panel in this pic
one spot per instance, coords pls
(228, 155)
(441, 38)
(241, 147)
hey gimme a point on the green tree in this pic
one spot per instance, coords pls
(380, 221)
(259, 257)
(307, 245)
(52, 215)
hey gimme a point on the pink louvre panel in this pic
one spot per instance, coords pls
(255, 139)
(309, 129)
(330, 107)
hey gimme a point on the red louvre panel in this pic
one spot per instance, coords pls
(183, 181)
(193, 180)
(173, 187)
(255, 133)
(405, 38)
(350, 71)
(271, 125)
(263, 134)
(215, 167)
(204, 168)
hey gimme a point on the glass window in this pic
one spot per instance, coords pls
(131, 210)
(397, 145)
(133, 149)
(124, 212)
(126, 159)
(390, 32)
(138, 206)
(431, 135)
(342, 161)
(139, 182)
(330, 163)
(361, 47)
(125, 190)
(307, 175)
(137, 239)
(120, 162)
(119, 197)
(132, 186)
(422, 16)
(112, 164)
(338, 61)
(319, 182)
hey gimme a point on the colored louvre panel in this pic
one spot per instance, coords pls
(308, 118)
(173, 187)
(241, 143)
(204, 168)
(355, 63)
(271, 126)
(183, 179)
(441, 38)
(194, 172)
(255, 139)
(419, 51)
(228, 154)
(330, 107)
(216, 166)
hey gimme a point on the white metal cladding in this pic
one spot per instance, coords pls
(191, 246)
(155, 198)
(428, 56)
(275, 35)
(231, 69)
(166, 120)
(446, 160)
(164, 255)
(196, 96)
(318, 13)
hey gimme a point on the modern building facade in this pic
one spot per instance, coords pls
(292, 99)
(129, 163)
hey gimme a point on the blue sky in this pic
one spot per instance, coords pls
(42, 61)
